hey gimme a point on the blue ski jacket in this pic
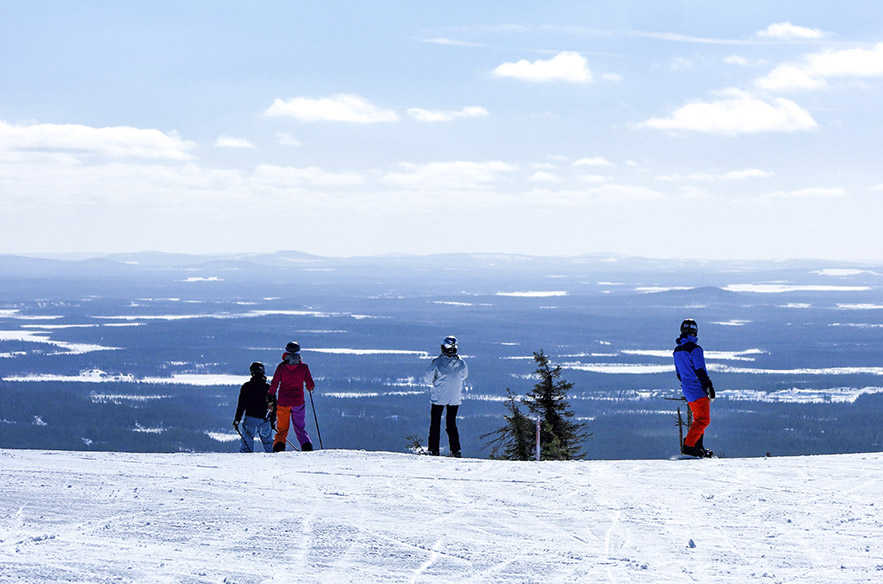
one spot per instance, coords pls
(690, 367)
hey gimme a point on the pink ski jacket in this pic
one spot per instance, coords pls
(289, 380)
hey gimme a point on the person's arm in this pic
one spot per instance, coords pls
(240, 406)
(274, 384)
(308, 378)
(701, 373)
(429, 374)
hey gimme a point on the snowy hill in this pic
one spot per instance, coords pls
(346, 516)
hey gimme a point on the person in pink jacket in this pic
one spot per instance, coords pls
(289, 380)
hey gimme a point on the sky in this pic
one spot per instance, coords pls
(714, 130)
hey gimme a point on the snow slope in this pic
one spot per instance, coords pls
(345, 516)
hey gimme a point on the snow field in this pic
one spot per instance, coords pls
(346, 516)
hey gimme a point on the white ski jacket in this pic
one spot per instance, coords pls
(446, 374)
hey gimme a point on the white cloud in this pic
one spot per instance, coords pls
(847, 63)
(681, 63)
(614, 192)
(286, 139)
(546, 177)
(737, 60)
(593, 161)
(788, 31)
(740, 114)
(451, 42)
(110, 142)
(447, 175)
(230, 142)
(288, 176)
(432, 116)
(812, 192)
(339, 108)
(788, 78)
(594, 179)
(878, 187)
(566, 66)
(816, 68)
(744, 174)
(612, 77)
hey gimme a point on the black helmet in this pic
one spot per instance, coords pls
(449, 345)
(257, 368)
(689, 328)
(292, 347)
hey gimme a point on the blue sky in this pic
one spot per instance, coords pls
(663, 129)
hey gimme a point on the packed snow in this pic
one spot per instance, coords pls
(346, 516)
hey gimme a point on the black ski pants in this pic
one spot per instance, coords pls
(450, 428)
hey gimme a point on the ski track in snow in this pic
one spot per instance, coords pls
(346, 516)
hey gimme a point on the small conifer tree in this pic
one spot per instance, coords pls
(560, 437)
(515, 440)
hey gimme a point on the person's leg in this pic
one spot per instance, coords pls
(283, 419)
(246, 429)
(451, 429)
(265, 431)
(701, 419)
(435, 427)
(298, 420)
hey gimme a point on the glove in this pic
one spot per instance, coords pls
(711, 393)
(236, 425)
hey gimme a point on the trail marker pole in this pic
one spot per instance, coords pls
(538, 438)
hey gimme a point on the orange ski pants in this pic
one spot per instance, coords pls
(701, 409)
(288, 416)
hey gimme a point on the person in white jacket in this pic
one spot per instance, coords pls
(446, 375)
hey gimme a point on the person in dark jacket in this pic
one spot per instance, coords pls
(259, 410)
(290, 378)
(696, 386)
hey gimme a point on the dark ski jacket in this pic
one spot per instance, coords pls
(253, 398)
(690, 367)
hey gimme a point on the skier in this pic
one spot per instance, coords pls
(258, 406)
(696, 385)
(291, 375)
(446, 374)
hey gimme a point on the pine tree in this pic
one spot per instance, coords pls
(559, 436)
(515, 440)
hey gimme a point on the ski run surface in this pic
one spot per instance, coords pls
(347, 516)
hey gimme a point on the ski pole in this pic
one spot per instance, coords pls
(319, 432)
(241, 437)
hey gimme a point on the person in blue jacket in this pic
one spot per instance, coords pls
(446, 375)
(696, 386)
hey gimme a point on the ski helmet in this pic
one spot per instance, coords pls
(292, 347)
(257, 368)
(689, 328)
(449, 345)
